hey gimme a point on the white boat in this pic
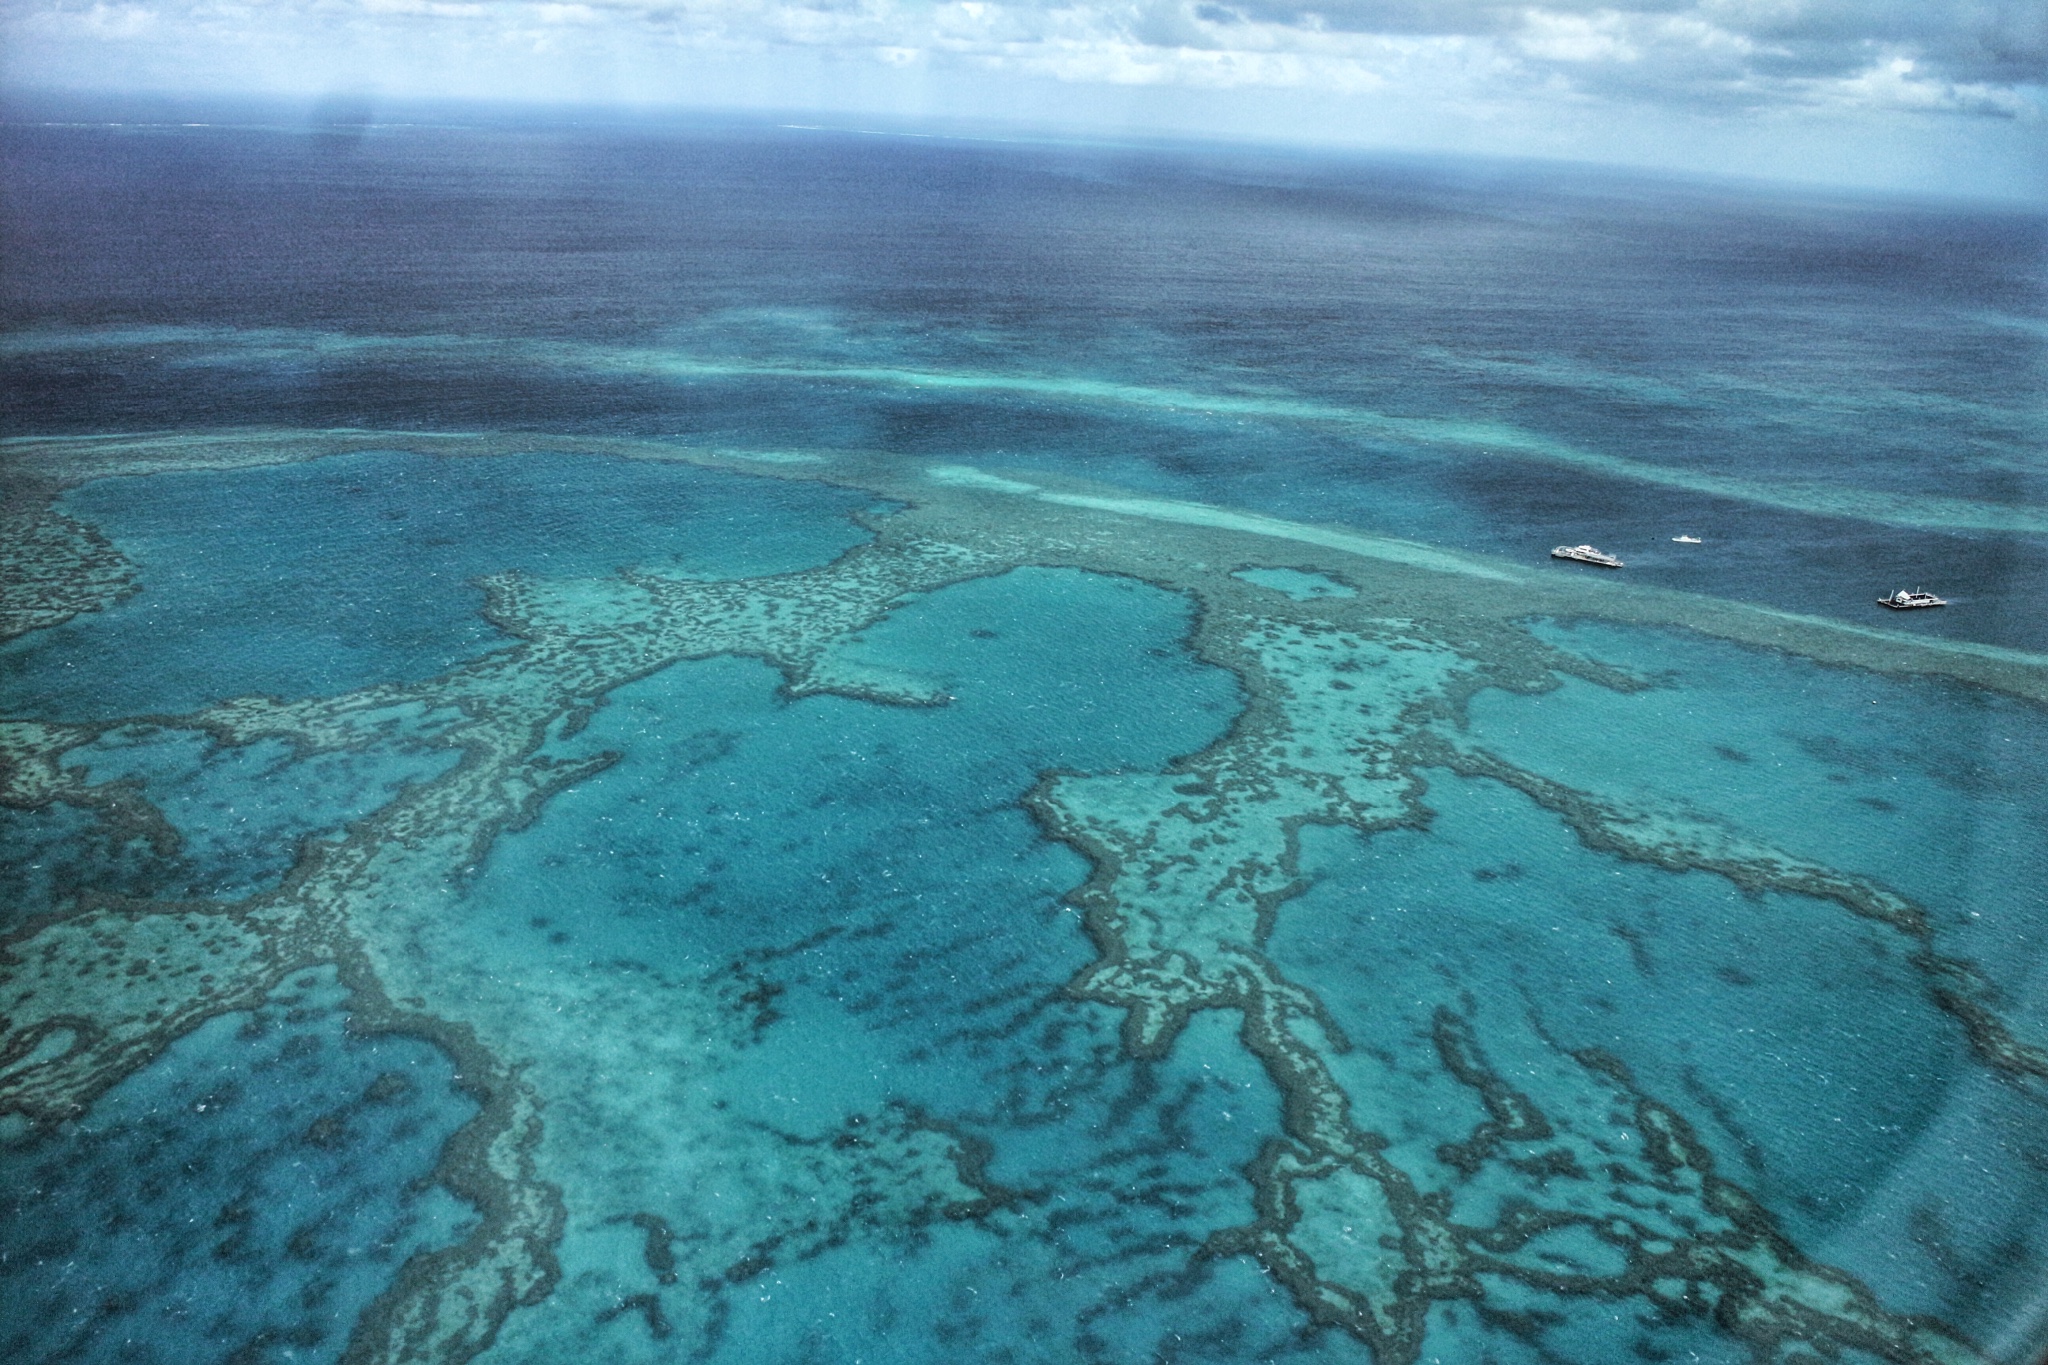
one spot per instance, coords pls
(1907, 601)
(1585, 554)
(1686, 540)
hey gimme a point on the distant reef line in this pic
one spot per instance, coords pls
(1465, 438)
(35, 471)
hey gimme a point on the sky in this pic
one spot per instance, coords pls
(1941, 96)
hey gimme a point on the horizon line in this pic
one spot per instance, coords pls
(357, 112)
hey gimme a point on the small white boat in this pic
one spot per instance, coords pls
(1907, 601)
(1585, 554)
(1686, 540)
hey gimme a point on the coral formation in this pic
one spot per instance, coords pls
(1347, 701)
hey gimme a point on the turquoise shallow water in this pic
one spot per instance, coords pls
(797, 979)
(796, 972)
(318, 578)
(737, 812)
(1933, 789)
(1791, 1031)
(917, 917)
(1844, 1099)
(251, 1191)
(903, 925)
(236, 817)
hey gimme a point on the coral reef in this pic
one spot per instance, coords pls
(1350, 693)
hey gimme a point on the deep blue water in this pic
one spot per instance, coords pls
(168, 277)
(1841, 395)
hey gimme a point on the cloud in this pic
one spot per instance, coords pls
(1570, 77)
(1957, 55)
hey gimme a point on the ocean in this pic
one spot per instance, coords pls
(711, 740)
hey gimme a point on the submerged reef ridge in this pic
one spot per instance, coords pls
(1351, 698)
